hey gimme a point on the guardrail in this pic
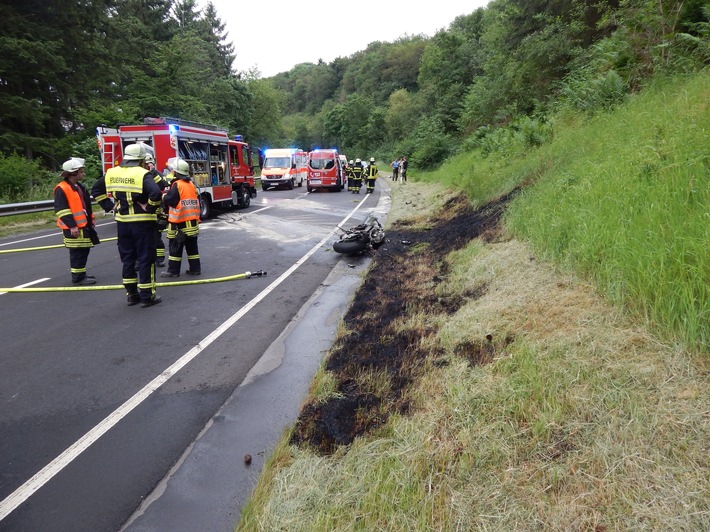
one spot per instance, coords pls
(10, 209)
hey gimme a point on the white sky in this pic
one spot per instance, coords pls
(276, 35)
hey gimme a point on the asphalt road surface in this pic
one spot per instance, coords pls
(100, 400)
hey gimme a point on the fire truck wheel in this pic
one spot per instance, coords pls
(205, 206)
(246, 199)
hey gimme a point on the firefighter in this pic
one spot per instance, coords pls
(160, 213)
(137, 198)
(371, 176)
(351, 176)
(357, 175)
(184, 219)
(72, 204)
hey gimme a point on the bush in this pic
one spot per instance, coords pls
(19, 176)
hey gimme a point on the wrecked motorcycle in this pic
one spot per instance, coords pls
(368, 235)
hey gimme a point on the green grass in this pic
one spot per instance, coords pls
(622, 198)
(633, 212)
(26, 223)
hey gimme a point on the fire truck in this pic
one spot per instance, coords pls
(221, 166)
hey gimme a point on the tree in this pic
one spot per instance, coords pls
(44, 73)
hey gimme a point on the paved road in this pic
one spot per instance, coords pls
(102, 399)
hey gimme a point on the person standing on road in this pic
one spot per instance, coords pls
(371, 176)
(184, 219)
(351, 177)
(395, 169)
(72, 205)
(160, 214)
(403, 166)
(137, 197)
(357, 175)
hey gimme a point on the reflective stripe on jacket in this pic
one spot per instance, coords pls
(188, 208)
(76, 206)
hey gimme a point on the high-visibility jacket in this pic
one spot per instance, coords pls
(76, 207)
(372, 171)
(357, 171)
(188, 205)
(132, 187)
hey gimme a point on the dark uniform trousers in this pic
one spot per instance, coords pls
(136, 246)
(183, 236)
(78, 258)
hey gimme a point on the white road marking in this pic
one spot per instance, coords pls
(24, 492)
(44, 236)
(29, 284)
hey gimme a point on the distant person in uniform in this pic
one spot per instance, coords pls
(372, 173)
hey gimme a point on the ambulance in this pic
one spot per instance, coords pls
(220, 166)
(325, 170)
(286, 166)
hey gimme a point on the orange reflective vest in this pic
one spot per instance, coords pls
(76, 206)
(189, 206)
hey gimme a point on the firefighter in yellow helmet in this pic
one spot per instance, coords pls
(184, 220)
(371, 175)
(136, 197)
(72, 204)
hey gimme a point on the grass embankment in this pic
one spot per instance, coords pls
(622, 199)
(26, 223)
(583, 418)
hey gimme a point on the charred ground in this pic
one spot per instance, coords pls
(375, 361)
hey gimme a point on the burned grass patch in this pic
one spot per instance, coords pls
(376, 361)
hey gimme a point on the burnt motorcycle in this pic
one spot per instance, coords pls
(367, 235)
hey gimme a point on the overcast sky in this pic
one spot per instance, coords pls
(276, 35)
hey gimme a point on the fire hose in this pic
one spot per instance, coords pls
(46, 247)
(245, 275)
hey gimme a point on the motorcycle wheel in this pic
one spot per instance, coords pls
(350, 247)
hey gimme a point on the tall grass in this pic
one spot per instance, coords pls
(623, 198)
(633, 210)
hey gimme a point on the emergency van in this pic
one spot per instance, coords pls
(325, 170)
(287, 166)
(220, 166)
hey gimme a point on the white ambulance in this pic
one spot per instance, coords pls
(286, 166)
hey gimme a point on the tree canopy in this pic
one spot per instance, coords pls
(67, 67)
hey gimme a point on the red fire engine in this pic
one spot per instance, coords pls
(222, 168)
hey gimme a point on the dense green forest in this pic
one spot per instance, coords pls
(67, 67)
